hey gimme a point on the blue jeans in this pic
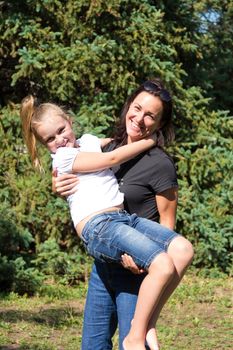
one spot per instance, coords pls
(113, 290)
(111, 300)
(109, 235)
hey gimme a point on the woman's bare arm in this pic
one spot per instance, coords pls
(64, 185)
(167, 206)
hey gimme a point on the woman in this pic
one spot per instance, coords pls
(150, 187)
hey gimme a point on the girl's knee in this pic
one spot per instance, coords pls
(187, 249)
(183, 248)
(163, 265)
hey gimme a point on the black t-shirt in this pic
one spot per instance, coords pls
(142, 178)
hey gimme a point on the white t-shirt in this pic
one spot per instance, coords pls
(97, 190)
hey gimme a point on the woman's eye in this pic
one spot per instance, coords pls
(152, 117)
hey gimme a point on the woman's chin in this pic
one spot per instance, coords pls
(135, 136)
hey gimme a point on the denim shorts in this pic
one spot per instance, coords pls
(107, 236)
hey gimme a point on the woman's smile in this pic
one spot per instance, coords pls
(143, 116)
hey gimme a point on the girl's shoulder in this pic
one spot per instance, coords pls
(88, 137)
(89, 143)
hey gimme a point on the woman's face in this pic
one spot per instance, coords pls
(143, 117)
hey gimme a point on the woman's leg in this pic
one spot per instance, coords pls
(118, 289)
(126, 287)
(126, 304)
(100, 318)
(159, 274)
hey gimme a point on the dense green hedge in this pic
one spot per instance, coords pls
(88, 56)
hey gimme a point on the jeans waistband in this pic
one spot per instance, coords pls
(100, 216)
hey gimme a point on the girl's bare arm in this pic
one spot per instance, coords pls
(95, 161)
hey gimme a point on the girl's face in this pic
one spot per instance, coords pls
(143, 117)
(56, 132)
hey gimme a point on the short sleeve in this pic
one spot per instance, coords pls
(89, 143)
(64, 158)
(166, 176)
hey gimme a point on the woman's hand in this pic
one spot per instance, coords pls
(64, 185)
(128, 263)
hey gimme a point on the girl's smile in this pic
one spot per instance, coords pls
(55, 132)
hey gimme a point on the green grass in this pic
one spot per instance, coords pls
(198, 316)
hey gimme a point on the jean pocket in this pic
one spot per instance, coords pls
(99, 242)
(99, 230)
(95, 229)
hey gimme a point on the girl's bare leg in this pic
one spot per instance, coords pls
(181, 252)
(151, 338)
(160, 273)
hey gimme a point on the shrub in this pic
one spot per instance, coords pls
(65, 267)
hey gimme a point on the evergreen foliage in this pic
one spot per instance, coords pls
(88, 56)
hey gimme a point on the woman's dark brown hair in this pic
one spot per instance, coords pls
(154, 87)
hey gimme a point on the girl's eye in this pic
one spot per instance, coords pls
(60, 131)
(51, 139)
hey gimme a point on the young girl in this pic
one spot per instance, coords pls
(97, 208)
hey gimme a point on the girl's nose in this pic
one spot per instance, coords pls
(59, 140)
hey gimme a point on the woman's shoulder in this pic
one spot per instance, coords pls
(161, 170)
(159, 161)
(160, 153)
(110, 146)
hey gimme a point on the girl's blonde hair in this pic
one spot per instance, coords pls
(31, 116)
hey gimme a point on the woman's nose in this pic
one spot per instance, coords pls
(140, 117)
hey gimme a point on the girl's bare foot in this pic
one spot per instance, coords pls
(130, 344)
(152, 339)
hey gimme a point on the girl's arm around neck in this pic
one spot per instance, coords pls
(86, 162)
(104, 142)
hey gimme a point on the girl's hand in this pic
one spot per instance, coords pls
(152, 137)
(158, 138)
(64, 185)
(128, 263)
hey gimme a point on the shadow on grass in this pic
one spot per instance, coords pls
(52, 317)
